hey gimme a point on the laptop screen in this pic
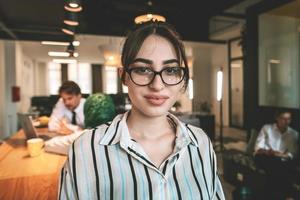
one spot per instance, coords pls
(28, 128)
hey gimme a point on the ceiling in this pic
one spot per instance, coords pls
(42, 19)
(89, 49)
(289, 10)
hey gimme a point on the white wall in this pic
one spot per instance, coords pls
(17, 69)
(207, 60)
(2, 88)
(27, 82)
(7, 80)
(32, 77)
(41, 79)
(201, 71)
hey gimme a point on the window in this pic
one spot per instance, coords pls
(81, 74)
(110, 80)
(54, 77)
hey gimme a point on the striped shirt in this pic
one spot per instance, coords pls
(105, 163)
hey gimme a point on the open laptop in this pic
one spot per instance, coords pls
(30, 131)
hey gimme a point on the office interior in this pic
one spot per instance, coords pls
(255, 43)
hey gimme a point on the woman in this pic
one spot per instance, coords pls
(146, 153)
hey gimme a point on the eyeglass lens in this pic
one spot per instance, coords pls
(145, 75)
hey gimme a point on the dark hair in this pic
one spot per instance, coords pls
(140, 32)
(69, 87)
(279, 112)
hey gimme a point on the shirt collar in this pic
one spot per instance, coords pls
(184, 134)
(80, 106)
(117, 132)
(288, 130)
(114, 130)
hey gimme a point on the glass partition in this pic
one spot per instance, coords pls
(279, 84)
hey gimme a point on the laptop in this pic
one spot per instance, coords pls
(30, 131)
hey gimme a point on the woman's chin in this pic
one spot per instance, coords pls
(153, 112)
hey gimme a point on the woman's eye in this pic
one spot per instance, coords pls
(172, 70)
(141, 70)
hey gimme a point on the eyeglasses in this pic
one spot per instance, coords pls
(143, 76)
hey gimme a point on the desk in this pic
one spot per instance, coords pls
(24, 177)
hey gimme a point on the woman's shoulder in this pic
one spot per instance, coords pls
(199, 134)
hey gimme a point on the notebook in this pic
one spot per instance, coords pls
(30, 131)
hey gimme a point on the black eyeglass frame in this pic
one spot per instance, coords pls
(130, 69)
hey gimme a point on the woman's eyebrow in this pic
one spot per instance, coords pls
(147, 61)
(170, 61)
(143, 60)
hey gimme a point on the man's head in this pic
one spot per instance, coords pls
(70, 93)
(283, 119)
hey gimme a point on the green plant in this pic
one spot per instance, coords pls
(98, 109)
(205, 107)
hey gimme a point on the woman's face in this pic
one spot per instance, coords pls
(155, 99)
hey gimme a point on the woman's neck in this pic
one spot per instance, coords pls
(145, 127)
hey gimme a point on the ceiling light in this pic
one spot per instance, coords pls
(58, 54)
(68, 61)
(110, 58)
(274, 61)
(73, 5)
(71, 19)
(75, 43)
(67, 31)
(70, 30)
(55, 43)
(149, 16)
(219, 84)
(111, 54)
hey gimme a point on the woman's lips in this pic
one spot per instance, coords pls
(156, 100)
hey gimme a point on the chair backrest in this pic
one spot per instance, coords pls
(251, 143)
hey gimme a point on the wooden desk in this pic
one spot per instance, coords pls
(24, 177)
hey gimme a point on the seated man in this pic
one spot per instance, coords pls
(67, 115)
(275, 149)
(98, 109)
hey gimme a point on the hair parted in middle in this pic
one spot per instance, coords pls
(140, 32)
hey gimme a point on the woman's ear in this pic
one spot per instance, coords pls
(120, 72)
(183, 89)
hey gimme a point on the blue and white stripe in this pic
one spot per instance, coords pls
(105, 163)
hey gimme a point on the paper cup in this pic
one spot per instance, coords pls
(35, 146)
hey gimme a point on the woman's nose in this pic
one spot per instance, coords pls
(157, 83)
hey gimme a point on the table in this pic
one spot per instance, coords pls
(25, 177)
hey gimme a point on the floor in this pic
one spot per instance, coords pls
(233, 138)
